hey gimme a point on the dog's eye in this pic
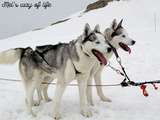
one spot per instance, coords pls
(97, 42)
(123, 36)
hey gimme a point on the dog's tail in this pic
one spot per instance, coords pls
(11, 56)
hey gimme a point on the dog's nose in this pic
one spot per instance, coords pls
(133, 42)
(109, 49)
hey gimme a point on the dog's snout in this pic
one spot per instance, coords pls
(109, 49)
(133, 42)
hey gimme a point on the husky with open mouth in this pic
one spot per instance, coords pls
(64, 62)
(118, 37)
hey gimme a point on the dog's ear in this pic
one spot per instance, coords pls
(114, 24)
(120, 24)
(87, 29)
(108, 34)
(97, 28)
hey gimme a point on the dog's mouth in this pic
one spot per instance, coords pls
(125, 47)
(100, 57)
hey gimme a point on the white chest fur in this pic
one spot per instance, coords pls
(85, 63)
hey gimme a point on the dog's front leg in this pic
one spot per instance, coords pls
(89, 91)
(97, 78)
(85, 111)
(60, 87)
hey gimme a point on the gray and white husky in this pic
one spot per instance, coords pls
(64, 62)
(118, 37)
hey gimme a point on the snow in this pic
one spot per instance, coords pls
(142, 65)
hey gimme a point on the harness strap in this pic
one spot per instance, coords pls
(120, 63)
(77, 72)
(114, 50)
(116, 70)
(42, 56)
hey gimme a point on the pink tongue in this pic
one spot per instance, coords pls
(100, 57)
(128, 49)
(125, 47)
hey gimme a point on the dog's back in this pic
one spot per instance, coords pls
(57, 55)
(33, 60)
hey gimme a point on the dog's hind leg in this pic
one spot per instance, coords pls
(97, 78)
(48, 80)
(29, 97)
(39, 93)
(45, 93)
(30, 86)
(29, 90)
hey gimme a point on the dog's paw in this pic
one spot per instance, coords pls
(56, 116)
(106, 99)
(36, 103)
(48, 100)
(33, 115)
(86, 112)
(91, 103)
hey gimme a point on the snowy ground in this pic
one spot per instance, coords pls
(142, 64)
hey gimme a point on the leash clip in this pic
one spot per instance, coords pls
(124, 83)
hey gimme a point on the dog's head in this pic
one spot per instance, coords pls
(118, 36)
(94, 43)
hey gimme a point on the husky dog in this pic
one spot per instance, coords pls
(64, 62)
(117, 36)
